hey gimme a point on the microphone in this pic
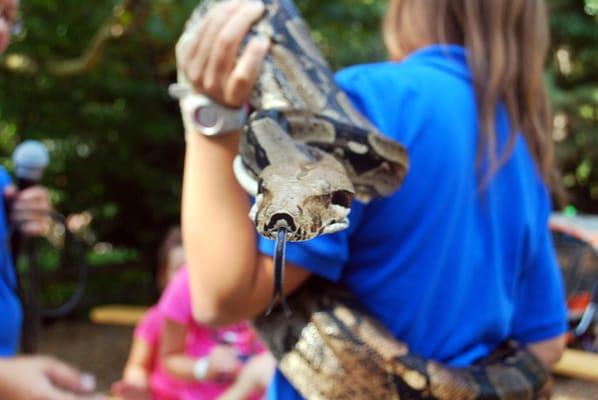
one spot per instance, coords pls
(30, 160)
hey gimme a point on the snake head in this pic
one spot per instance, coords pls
(307, 199)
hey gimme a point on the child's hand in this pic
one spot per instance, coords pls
(254, 378)
(223, 364)
(130, 391)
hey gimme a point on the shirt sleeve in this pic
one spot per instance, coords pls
(540, 308)
(5, 178)
(175, 303)
(149, 328)
(389, 95)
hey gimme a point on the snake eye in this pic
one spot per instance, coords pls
(342, 198)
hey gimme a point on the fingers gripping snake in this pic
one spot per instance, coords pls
(305, 154)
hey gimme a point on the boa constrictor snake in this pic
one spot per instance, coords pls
(305, 154)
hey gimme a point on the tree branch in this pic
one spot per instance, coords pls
(115, 27)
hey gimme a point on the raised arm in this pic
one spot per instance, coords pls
(229, 280)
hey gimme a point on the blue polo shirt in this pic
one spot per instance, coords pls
(450, 269)
(10, 307)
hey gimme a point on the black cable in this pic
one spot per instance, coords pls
(33, 311)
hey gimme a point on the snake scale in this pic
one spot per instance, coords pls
(305, 154)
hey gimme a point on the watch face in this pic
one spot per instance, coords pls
(208, 118)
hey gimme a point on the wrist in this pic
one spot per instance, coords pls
(200, 368)
(206, 116)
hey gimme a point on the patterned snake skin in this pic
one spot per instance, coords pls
(310, 153)
(330, 349)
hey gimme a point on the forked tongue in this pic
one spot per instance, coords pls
(279, 248)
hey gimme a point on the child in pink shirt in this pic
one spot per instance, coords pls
(144, 377)
(162, 386)
(221, 351)
(211, 358)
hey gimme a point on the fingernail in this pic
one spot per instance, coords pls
(256, 5)
(88, 382)
(263, 41)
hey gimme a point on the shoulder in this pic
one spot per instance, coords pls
(152, 315)
(175, 302)
(429, 89)
(390, 94)
(427, 72)
(177, 288)
(150, 325)
(381, 77)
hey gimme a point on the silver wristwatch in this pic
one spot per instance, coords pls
(205, 115)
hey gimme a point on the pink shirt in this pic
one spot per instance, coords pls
(175, 305)
(162, 385)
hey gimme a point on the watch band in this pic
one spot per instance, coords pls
(205, 115)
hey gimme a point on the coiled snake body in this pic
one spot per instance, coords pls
(310, 153)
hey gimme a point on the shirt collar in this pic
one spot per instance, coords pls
(450, 57)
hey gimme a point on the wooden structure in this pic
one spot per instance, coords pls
(578, 364)
(117, 314)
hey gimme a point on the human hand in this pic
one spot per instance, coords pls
(207, 57)
(29, 209)
(260, 369)
(130, 391)
(254, 377)
(43, 378)
(223, 364)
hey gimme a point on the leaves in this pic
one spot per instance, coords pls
(573, 86)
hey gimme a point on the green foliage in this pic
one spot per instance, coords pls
(115, 137)
(347, 31)
(574, 91)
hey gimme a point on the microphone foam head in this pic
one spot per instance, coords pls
(30, 159)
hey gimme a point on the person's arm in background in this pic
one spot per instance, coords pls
(138, 365)
(222, 362)
(135, 380)
(229, 280)
(255, 376)
(540, 320)
(172, 351)
(40, 377)
(549, 351)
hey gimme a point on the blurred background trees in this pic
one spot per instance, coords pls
(89, 79)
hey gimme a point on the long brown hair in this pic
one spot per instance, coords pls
(507, 43)
(172, 239)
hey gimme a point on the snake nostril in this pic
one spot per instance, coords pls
(281, 220)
